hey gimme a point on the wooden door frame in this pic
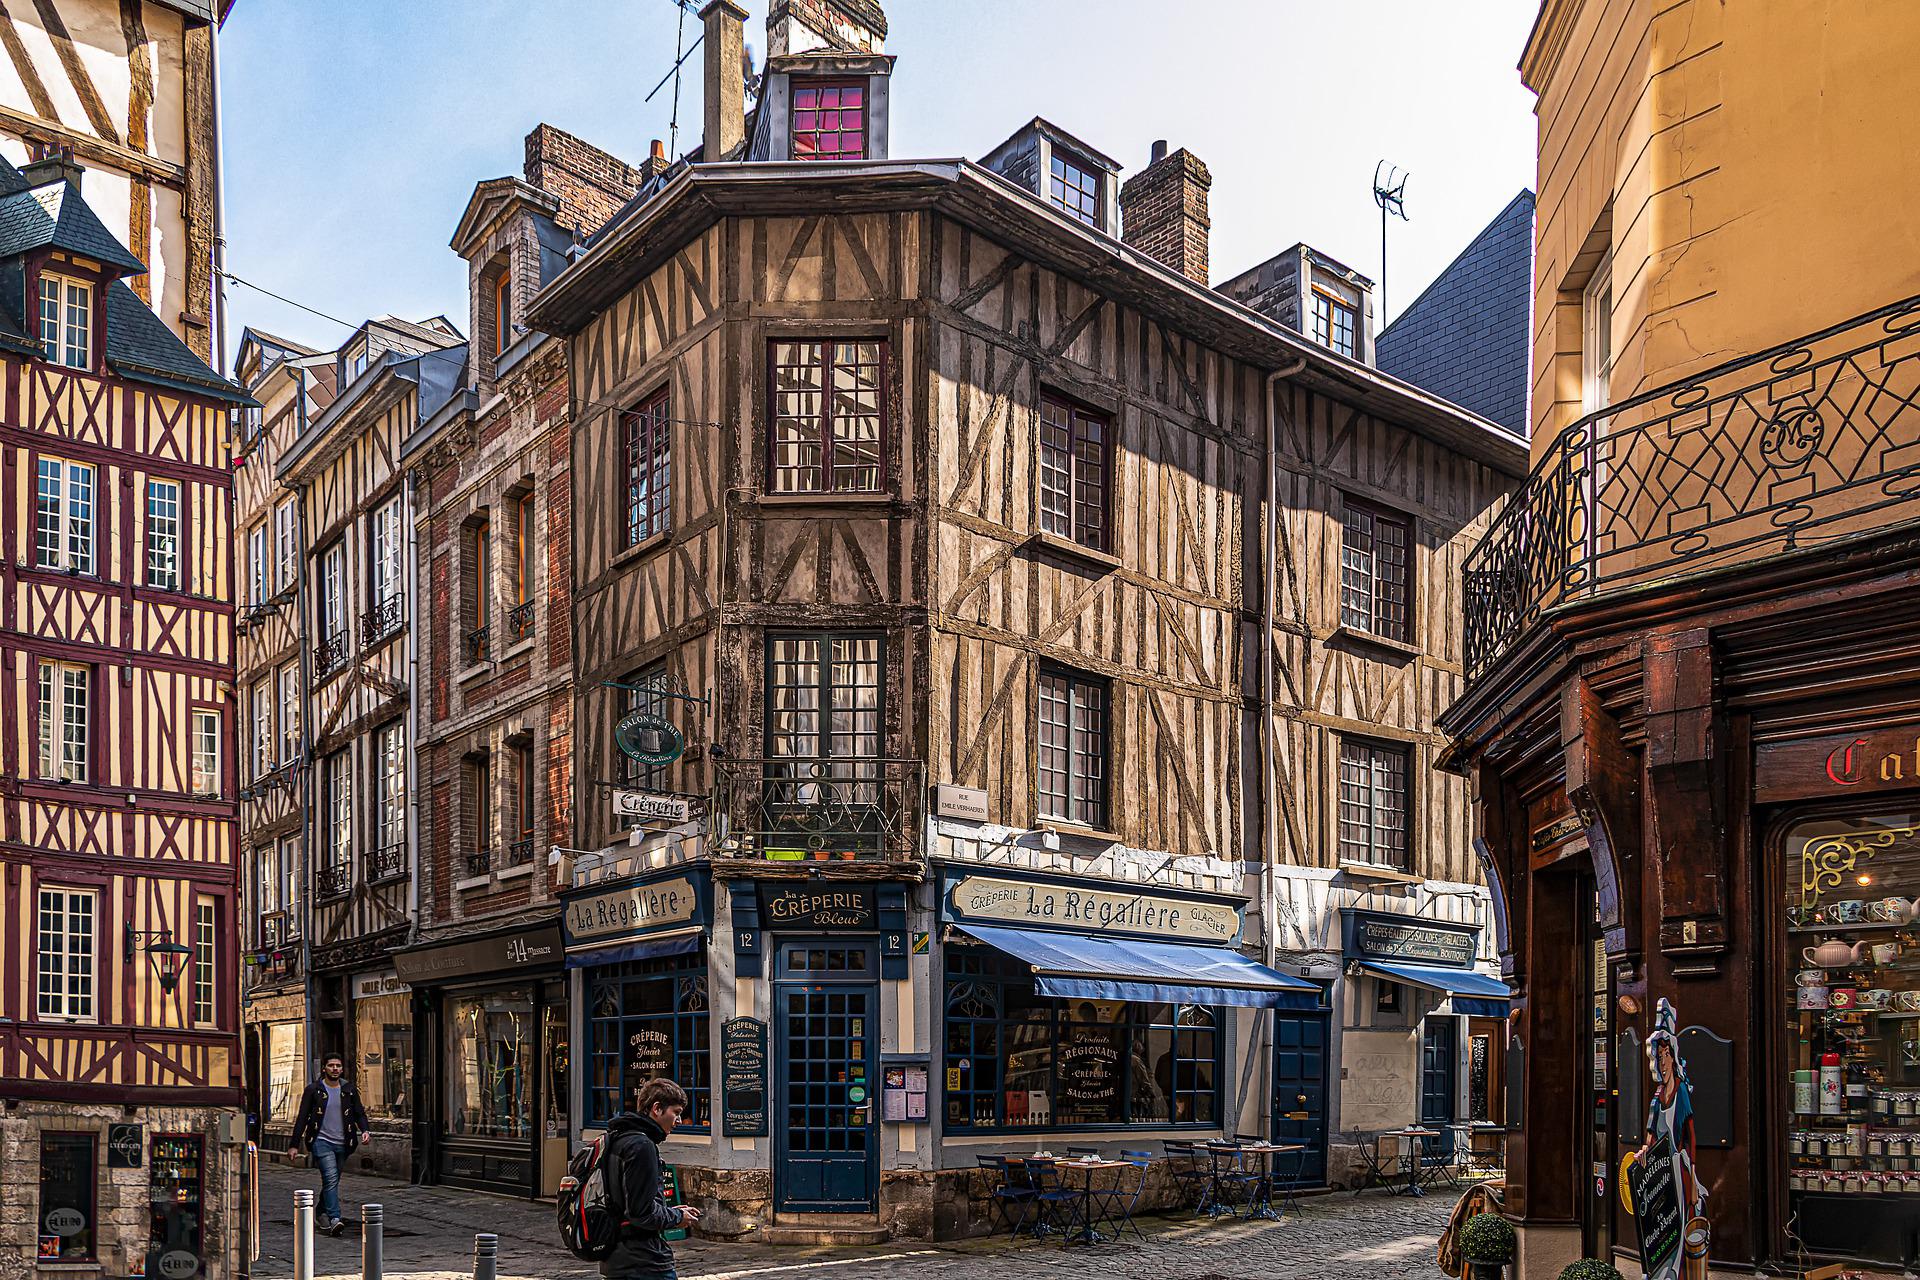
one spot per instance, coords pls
(778, 986)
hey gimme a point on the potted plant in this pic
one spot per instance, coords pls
(1591, 1269)
(1487, 1242)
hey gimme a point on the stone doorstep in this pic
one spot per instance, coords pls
(823, 1229)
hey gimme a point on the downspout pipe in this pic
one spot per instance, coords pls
(219, 209)
(1269, 789)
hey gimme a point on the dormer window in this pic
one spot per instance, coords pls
(829, 120)
(356, 362)
(1334, 324)
(1074, 190)
(503, 312)
(66, 320)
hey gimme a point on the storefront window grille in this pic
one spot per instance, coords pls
(648, 1018)
(1019, 1060)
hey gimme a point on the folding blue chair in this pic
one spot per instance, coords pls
(1011, 1196)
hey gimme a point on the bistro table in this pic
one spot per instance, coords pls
(1410, 1137)
(1262, 1206)
(1085, 1232)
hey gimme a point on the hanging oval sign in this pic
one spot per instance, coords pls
(644, 736)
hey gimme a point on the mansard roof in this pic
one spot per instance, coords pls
(54, 216)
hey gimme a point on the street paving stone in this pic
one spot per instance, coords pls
(430, 1234)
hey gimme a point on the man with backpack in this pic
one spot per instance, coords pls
(330, 1124)
(613, 1201)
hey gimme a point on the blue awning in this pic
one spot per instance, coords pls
(684, 942)
(1474, 993)
(1077, 966)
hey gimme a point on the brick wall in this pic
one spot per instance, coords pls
(589, 183)
(1163, 213)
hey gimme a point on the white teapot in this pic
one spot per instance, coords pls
(1834, 954)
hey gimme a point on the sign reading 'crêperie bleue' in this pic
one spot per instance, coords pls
(988, 900)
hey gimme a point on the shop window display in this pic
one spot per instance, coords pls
(1853, 1033)
(648, 1018)
(489, 1064)
(67, 1172)
(383, 1035)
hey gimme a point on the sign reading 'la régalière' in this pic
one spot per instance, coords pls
(632, 909)
(987, 900)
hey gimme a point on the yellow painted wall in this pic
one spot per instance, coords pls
(1747, 158)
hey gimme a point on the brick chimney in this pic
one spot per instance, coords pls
(590, 184)
(1163, 211)
(725, 81)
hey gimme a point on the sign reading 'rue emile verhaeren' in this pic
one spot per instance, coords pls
(632, 909)
(987, 900)
(743, 1078)
(1386, 938)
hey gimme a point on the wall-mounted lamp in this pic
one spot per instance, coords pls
(169, 957)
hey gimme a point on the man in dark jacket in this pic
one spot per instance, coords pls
(633, 1155)
(330, 1124)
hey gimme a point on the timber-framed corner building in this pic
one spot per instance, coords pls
(1692, 719)
(934, 519)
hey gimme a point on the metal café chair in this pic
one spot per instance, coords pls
(1120, 1201)
(1191, 1173)
(1436, 1155)
(1056, 1206)
(1011, 1196)
(1234, 1184)
(1370, 1158)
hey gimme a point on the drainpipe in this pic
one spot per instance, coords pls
(1269, 792)
(219, 211)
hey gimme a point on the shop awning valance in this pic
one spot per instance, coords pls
(1078, 966)
(1474, 994)
(681, 942)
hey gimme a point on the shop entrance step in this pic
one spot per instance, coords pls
(824, 1228)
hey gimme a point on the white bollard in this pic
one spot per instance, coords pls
(486, 1256)
(303, 1235)
(373, 1231)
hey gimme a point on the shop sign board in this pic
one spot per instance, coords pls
(1384, 937)
(1837, 764)
(805, 906)
(369, 986)
(632, 909)
(653, 806)
(1036, 904)
(535, 948)
(1656, 1208)
(743, 1078)
(125, 1145)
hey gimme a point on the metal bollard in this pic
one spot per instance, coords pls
(486, 1256)
(373, 1232)
(303, 1235)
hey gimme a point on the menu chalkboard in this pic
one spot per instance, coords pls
(743, 1078)
(1088, 1067)
(1656, 1208)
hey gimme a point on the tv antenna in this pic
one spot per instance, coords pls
(681, 52)
(1390, 193)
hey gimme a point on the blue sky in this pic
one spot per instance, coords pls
(356, 130)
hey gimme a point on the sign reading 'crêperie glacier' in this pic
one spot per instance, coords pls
(987, 900)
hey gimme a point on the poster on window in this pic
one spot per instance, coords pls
(649, 1057)
(1089, 1068)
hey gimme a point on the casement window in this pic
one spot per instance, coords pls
(643, 690)
(163, 534)
(333, 593)
(824, 700)
(289, 874)
(1373, 803)
(390, 754)
(63, 515)
(267, 901)
(205, 934)
(479, 806)
(1074, 485)
(66, 321)
(1596, 322)
(1374, 547)
(503, 309)
(354, 363)
(286, 543)
(646, 450)
(69, 1191)
(64, 959)
(386, 553)
(1074, 190)
(290, 713)
(1073, 748)
(523, 810)
(337, 796)
(829, 120)
(1335, 325)
(206, 753)
(523, 545)
(259, 568)
(66, 715)
(827, 423)
(265, 741)
(479, 593)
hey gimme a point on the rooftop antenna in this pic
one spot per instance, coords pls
(1390, 194)
(681, 52)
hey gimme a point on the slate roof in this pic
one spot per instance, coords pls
(141, 347)
(54, 216)
(1466, 338)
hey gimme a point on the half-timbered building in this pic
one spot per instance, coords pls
(493, 700)
(923, 533)
(356, 543)
(293, 383)
(119, 1014)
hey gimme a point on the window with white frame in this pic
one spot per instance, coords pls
(390, 749)
(263, 735)
(289, 713)
(258, 565)
(386, 553)
(63, 515)
(66, 712)
(267, 893)
(66, 321)
(339, 802)
(1596, 312)
(206, 753)
(289, 872)
(205, 926)
(333, 587)
(286, 543)
(64, 957)
(163, 534)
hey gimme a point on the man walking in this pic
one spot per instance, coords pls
(330, 1124)
(633, 1154)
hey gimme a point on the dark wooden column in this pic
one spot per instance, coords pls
(1686, 765)
(1603, 782)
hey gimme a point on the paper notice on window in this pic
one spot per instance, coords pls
(894, 1105)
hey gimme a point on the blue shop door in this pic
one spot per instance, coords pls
(1439, 1067)
(1300, 1091)
(826, 1001)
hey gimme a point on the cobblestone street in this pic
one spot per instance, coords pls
(430, 1237)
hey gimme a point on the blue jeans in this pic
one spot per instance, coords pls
(327, 1155)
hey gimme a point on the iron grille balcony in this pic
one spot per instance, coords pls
(334, 880)
(330, 653)
(1809, 442)
(477, 646)
(800, 810)
(519, 854)
(480, 862)
(387, 863)
(383, 620)
(520, 621)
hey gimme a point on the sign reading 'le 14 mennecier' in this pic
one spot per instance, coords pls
(1386, 938)
(632, 909)
(987, 900)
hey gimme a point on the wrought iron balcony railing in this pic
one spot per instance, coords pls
(330, 654)
(334, 880)
(387, 863)
(807, 809)
(520, 621)
(479, 862)
(519, 854)
(477, 646)
(383, 620)
(1811, 441)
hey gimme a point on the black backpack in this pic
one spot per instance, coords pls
(592, 1211)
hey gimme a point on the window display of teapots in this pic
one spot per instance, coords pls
(1834, 954)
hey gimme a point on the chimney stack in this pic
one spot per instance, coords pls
(725, 81)
(55, 166)
(1163, 211)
